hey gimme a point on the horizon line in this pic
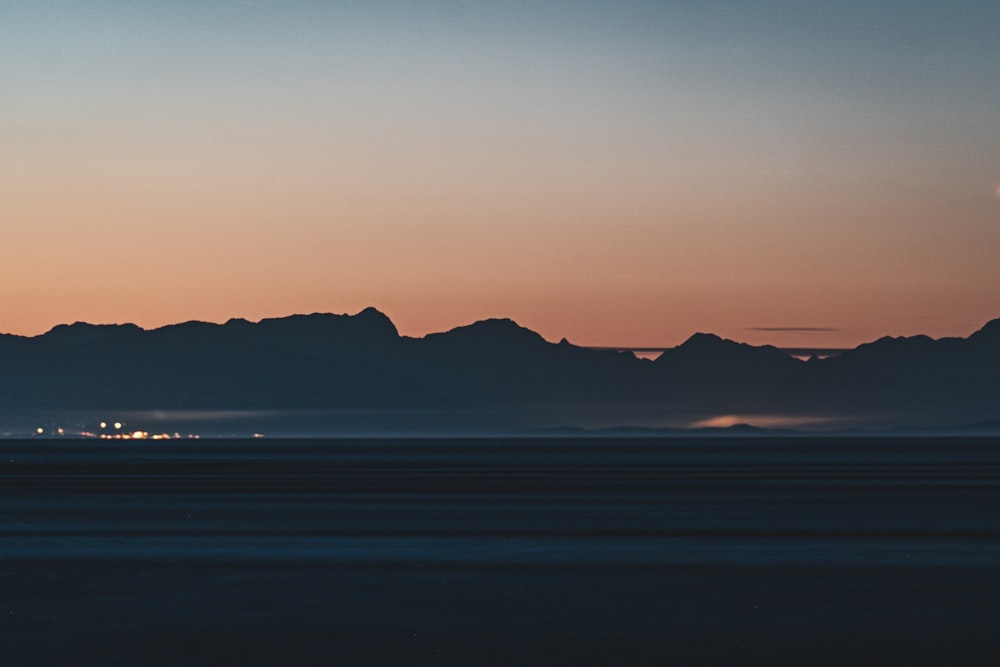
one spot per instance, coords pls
(792, 351)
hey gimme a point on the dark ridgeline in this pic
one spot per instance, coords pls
(324, 373)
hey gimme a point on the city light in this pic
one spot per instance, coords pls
(118, 432)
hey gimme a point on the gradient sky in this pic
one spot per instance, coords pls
(618, 173)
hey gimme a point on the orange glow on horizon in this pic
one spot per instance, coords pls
(761, 421)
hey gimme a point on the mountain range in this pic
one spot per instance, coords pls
(355, 374)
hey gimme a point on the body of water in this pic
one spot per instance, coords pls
(484, 551)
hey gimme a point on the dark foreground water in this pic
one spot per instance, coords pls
(505, 552)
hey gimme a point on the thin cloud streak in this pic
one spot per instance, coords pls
(794, 329)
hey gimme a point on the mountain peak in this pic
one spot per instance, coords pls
(370, 322)
(490, 332)
(371, 311)
(989, 331)
(377, 318)
(704, 349)
(704, 339)
(710, 343)
(498, 326)
(84, 332)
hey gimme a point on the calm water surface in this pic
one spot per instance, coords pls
(561, 551)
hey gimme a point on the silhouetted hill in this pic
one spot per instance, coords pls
(733, 377)
(369, 333)
(500, 361)
(985, 344)
(356, 373)
(707, 358)
(195, 366)
(81, 332)
(989, 333)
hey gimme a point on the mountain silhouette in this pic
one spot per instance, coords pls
(326, 373)
(81, 332)
(348, 337)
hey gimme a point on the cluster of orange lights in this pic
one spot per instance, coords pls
(117, 431)
(139, 435)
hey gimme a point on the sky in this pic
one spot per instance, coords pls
(615, 173)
